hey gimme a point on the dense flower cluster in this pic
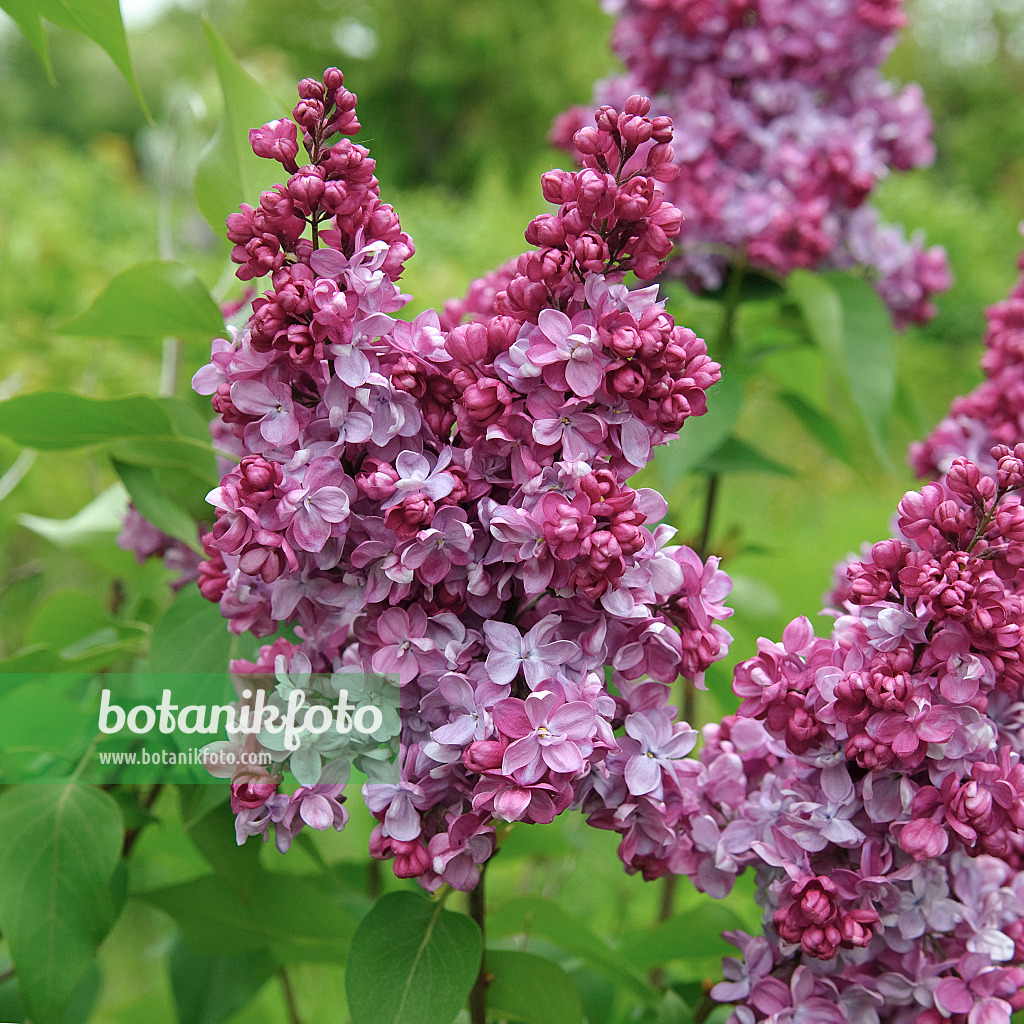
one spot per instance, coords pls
(993, 413)
(873, 779)
(449, 506)
(784, 126)
(874, 782)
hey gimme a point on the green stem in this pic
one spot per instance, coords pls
(478, 911)
(710, 501)
(726, 333)
(131, 835)
(668, 893)
(986, 519)
(170, 355)
(373, 878)
(724, 345)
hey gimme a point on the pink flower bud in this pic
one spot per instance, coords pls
(467, 343)
(486, 400)
(962, 479)
(377, 479)
(310, 89)
(306, 187)
(606, 118)
(276, 140)
(558, 187)
(1010, 521)
(587, 141)
(308, 113)
(411, 858)
(923, 839)
(412, 514)
(484, 756)
(637, 105)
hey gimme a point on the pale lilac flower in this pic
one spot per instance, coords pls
(535, 654)
(273, 405)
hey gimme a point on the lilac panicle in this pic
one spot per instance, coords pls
(447, 503)
(784, 125)
(873, 779)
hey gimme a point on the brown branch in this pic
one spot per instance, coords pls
(289, 997)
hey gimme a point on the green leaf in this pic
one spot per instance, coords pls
(25, 14)
(156, 505)
(97, 655)
(755, 286)
(530, 988)
(529, 840)
(295, 917)
(83, 999)
(187, 420)
(211, 989)
(720, 1014)
(821, 309)
(597, 993)
(198, 801)
(11, 1005)
(34, 747)
(193, 456)
(59, 846)
(825, 430)
(695, 933)
(702, 435)
(192, 636)
(229, 173)
(850, 323)
(737, 456)
(412, 962)
(100, 20)
(673, 1010)
(869, 346)
(66, 617)
(214, 836)
(98, 520)
(531, 915)
(149, 301)
(59, 421)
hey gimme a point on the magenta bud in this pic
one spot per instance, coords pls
(311, 89)
(637, 105)
(588, 141)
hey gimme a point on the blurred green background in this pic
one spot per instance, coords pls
(456, 99)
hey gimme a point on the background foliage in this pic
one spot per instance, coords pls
(456, 101)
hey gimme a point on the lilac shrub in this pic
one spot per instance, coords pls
(448, 504)
(784, 127)
(873, 779)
